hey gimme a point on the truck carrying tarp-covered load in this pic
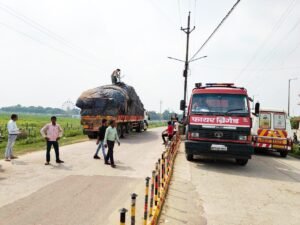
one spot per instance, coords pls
(119, 102)
(110, 100)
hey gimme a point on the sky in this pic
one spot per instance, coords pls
(53, 50)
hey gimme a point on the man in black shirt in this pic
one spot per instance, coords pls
(100, 140)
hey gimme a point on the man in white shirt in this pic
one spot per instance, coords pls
(52, 132)
(13, 132)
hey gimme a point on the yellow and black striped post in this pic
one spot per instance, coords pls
(162, 170)
(123, 216)
(152, 193)
(133, 201)
(146, 201)
(156, 189)
(158, 173)
(167, 163)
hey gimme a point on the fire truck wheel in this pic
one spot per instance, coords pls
(283, 154)
(241, 162)
(189, 157)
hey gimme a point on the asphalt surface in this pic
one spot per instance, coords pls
(82, 191)
(264, 192)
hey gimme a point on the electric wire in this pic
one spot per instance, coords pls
(46, 31)
(273, 52)
(43, 43)
(216, 29)
(274, 30)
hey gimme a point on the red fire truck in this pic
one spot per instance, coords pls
(219, 122)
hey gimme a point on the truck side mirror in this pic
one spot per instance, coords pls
(257, 106)
(182, 105)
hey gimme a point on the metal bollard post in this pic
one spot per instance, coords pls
(158, 171)
(163, 171)
(123, 216)
(146, 201)
(133, 201)
(167, 163)
(156, 189)
(152, 193)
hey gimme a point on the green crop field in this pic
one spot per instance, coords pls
(30, 139)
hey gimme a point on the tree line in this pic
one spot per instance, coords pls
(38, 110)
(166, 115)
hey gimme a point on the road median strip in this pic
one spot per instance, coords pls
(160, 182)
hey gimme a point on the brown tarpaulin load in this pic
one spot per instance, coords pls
(112, 100)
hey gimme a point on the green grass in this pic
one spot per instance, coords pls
(295, 151)
(31, 139)
(154, 124)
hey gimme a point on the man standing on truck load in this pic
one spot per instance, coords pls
(169, 132)
(100, 141)
(111, 135)
(13, 132)
(116, 76)
(52, 132)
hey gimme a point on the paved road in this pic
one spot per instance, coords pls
(83, 191)
(265, 192)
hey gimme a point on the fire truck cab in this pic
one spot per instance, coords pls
(272, 131)
(219, 122)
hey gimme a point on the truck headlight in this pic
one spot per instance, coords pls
(194, 135)
(243, 138)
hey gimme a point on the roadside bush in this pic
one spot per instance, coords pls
(295, 149)
(72, 133)
(23, 135)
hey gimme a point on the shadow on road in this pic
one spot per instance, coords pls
(141, 138)
(260, 166)
(19, 162)
(1, 170)
(61, 166)
(128, 168)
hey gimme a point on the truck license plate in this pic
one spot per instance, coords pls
(215, 147)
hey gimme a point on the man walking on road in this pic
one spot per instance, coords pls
(52, 132)
(100, 141)
(13, 132)
(111, 135)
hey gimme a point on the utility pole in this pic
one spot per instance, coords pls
(289, 93)
(160, 106)
(186, 65)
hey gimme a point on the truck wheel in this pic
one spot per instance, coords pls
(120, 131)
(283, 154)
(138, 129)
(127, 129)
(241, 162)
(92, 135)
(189, 157)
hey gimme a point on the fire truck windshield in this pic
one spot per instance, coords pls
(220, 104)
